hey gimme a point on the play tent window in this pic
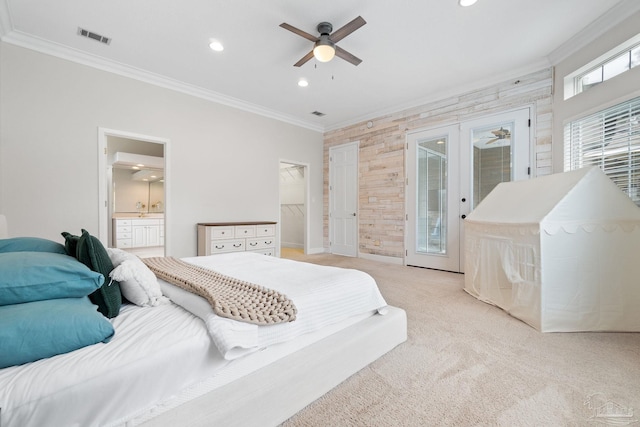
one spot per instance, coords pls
(609, 139)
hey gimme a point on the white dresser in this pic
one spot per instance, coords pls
(220, 237)
(138, 232)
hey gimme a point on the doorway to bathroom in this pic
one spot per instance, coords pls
(133, 192)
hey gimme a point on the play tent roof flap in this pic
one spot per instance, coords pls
(584, 198)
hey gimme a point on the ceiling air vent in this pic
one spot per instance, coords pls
(318, 113)
(94, 36)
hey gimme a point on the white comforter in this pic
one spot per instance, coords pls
(323, 296)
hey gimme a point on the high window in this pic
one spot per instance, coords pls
(611, 68)
(617, 61)
(609, 139)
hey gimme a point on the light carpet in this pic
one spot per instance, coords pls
(467, 363)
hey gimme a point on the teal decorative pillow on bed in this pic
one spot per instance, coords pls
(30, 244)
(40, 329)
(35, 276)
(92, 253)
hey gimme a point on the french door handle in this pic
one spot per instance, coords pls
(354, 214)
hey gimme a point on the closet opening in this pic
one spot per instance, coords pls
(293, 207)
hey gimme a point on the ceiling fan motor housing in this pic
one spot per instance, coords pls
(325, 28)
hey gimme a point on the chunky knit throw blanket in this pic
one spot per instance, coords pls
(229, 297)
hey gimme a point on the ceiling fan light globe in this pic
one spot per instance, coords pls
(324, 53)
(324, 50)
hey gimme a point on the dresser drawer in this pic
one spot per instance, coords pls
(121, 222)
(266, 230)
(245, 231)
(123, 235)
(265, 251)
(220, 246)
(123, 229)
(123, 243)
(221, 232)
(259, 243)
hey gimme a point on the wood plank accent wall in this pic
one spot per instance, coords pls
(382, 155)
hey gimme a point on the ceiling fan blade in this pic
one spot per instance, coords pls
(298, 32)
(304, 59)
(349, 28)
(340, 52)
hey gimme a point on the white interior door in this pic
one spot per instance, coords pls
(343, 199)
(450, 170)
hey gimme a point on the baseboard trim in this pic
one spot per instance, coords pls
(382, 258)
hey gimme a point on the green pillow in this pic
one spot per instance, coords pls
(35, 330)
(35, 276)
(91, 253)
(30, 244)
(70, 243)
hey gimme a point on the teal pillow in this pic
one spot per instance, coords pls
(91, 253)
(30, 244)
(40, 329)
(70, 243)
(35, 276)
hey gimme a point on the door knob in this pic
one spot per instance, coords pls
(464, 199)
(354, 214)
(463, 216)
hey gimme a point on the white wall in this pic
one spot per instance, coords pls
(618, 89)
(224, 162)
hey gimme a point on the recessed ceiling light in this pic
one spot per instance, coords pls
(465, 3)
(303, 83)
(216, 46)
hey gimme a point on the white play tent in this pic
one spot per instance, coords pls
(560, 252)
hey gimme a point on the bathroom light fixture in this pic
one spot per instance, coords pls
(325, 49)
(303, 83)
(216, 46)
(465, 3)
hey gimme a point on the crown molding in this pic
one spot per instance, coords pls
(47, 47)
(593, 31)
(459, 90)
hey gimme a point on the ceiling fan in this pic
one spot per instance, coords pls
(325, 47)
(499, 134)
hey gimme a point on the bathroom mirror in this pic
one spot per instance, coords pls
(133, 195)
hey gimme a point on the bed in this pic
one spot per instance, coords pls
(163, 367)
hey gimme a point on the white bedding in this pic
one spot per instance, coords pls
(154, 352)
(323, 295)
(162, 355)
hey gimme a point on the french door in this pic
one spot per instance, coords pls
(450, 170)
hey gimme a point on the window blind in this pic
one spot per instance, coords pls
(609, 139)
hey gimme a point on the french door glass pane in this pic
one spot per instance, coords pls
(491, 158)
(431, 215)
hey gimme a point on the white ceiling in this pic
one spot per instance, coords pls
(412, 50)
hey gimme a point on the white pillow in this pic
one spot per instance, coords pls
(137, 283)
(118, 255)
